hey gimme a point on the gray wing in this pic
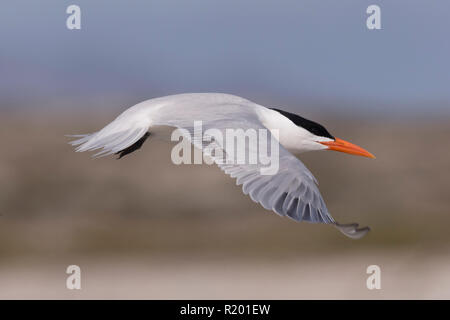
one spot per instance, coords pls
(292, 191)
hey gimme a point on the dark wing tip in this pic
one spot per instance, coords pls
(136, 146)
(351, 230)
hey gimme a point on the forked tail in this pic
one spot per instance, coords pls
(122, 136)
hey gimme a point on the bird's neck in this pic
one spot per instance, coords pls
(292, 137)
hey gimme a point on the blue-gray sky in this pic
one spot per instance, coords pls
(288, 50)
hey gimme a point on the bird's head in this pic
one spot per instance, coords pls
(311, 136)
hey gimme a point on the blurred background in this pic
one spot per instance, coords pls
(142, 227)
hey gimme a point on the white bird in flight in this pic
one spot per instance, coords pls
(291, 192)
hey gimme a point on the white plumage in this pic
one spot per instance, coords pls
(291, 192)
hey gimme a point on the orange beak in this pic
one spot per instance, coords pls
(347, 147)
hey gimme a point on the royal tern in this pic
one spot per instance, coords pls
(291, 191)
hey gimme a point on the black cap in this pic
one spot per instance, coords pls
(311, 126)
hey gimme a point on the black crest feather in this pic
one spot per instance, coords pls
(311, 126)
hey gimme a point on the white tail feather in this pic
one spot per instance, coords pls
(123, 132)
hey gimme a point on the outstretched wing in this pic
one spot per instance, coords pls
(290, 191)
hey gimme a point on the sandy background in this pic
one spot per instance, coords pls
(142, 227)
